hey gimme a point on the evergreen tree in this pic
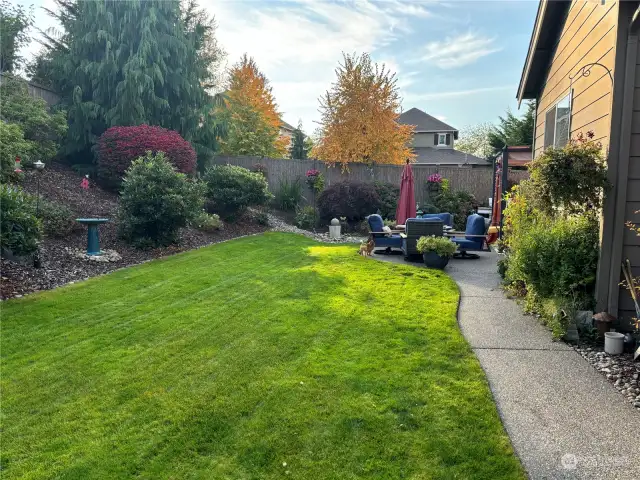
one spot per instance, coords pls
(150, 61)
(300, 148)
(513, 131)
(15, 21)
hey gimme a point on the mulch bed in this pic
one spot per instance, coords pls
(60, 184)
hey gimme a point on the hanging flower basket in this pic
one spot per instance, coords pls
(315, 180)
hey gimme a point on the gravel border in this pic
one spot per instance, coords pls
(279, 225)
(621, 371)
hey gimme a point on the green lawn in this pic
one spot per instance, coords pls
(260, 358)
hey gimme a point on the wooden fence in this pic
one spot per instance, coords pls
(477, 180)
(38, 91)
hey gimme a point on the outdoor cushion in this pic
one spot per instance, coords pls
(465, 244)
(475, 226)
(446, 217)
(382, 240)
(375, 223)
(394, 241)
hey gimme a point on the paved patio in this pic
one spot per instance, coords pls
(564, 419)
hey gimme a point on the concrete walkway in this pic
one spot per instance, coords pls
(563, 417)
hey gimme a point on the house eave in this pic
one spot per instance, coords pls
(547, 27)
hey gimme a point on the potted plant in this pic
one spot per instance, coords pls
(436, 251)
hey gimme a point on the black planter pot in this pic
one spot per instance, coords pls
(433, 260)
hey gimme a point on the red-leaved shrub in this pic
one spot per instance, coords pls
(119, 146)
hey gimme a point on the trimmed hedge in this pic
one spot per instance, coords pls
(118, 147)
(231, 189)
(157, 201)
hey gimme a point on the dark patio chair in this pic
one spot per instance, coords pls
(416, 228)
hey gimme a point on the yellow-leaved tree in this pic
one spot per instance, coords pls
(359, 116)
(251, 114)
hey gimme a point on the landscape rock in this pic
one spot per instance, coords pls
(625, 371)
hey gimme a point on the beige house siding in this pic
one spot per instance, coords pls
(427, 139)
(631, 242)
(589, 35)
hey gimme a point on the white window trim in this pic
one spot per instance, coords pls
(555, 125)
(442, 139)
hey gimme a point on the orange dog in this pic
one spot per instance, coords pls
(366, 249)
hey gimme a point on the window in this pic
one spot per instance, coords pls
(442, 139)
(557, 125)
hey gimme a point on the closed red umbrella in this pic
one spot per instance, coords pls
(406, 202)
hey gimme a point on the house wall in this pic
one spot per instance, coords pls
(588, 35)
(628, 204)
(426, 139)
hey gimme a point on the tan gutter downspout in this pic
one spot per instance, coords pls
(624, 143)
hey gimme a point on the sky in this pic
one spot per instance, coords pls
(457, 60)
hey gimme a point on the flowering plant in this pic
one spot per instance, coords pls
(434, 178)
(315, 179)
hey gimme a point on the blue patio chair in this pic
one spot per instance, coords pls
(446, 217)
(474, 238)
(382, 239)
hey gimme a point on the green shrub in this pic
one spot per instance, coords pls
(43, 129)
(559, 257)
(440, 245)
(288, 195)
(306, 217)
(388, 194)
(12, 145)
(156, 201)
(571, 178)
(460, 204)
(207, 222)
(57, 220)
(352, 200)
(232, 189)
(20, 230)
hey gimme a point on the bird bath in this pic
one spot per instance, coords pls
(93, 240)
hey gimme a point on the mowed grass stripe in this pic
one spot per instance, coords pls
(244, 356)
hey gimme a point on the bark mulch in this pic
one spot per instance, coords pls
(60, 184)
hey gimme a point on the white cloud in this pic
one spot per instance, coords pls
(442, 118)
(299, 44)
(454, 52)
(413, 9)
(417, 97)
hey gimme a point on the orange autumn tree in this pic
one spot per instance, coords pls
(251, 114)
(359, 116)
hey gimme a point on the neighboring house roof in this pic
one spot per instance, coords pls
(285, 126)
(446, 156)
(547, 28)
(425, 122)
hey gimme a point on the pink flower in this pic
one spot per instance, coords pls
(313, 172)
(85, 183)
(434, 178)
